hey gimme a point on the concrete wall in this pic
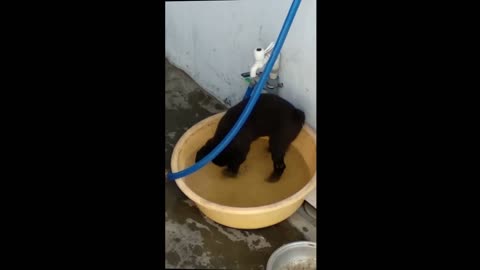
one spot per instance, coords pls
(214, 41)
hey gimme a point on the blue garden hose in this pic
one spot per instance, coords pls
(257, 90)
(248, 93)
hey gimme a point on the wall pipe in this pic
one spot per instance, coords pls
(251, 103)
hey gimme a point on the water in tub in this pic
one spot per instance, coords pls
(249, 188)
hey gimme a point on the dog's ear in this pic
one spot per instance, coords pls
(205, 150)
(210, 144)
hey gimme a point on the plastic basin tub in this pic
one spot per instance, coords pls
(247, 201)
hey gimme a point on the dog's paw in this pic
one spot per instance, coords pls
(274, 177)
(228, 173)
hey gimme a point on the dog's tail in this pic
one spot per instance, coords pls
(299, 116)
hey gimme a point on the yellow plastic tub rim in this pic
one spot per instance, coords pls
(243, 217)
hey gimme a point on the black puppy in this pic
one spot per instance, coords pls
(271, 116)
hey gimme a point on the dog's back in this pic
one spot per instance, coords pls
(270, 115)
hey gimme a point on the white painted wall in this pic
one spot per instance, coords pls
(214, 42)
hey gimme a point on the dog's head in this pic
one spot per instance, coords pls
(221, 160)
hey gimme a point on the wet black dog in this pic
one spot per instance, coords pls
(271, 116)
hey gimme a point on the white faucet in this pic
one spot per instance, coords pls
(261, 58)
